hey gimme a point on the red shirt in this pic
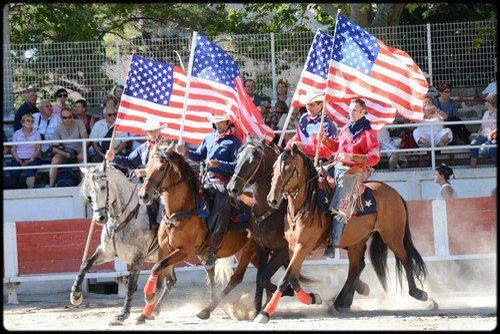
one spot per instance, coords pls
(366, 143)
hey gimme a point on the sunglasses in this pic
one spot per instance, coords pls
(67, 117)
(113, 114)
(62, 95)
(28, 120)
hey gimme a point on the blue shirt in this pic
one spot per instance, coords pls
(450, 107)
(136, 158)
(224, 150)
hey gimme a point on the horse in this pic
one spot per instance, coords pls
(307, 228)
(254, 168)
(126, 233)
(182, 233)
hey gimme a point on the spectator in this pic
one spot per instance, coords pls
(280, 109)
(270, 118)
(282, 90)
(442, 177)
(251, 88)
(25, 155)
(80, 112)
(117, 92)
(45, 122)
(386, 143)
(445, 103)
(28, 107)
(487, 131)
(439, 135)
(294, 119)
(104, 129)
(61, 98)
(65, 152)
(110, 101)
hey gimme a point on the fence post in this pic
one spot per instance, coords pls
(433, 152)
(440, 226)
(429, 52)
(273, 66)
(11, 264)
(118, 67)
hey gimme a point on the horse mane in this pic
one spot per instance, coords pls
(85, 184)
(185, 168)
(260, 145)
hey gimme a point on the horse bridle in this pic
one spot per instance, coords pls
(293, 192)
(247, 182)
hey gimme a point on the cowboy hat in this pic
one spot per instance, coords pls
(218, 118)
(153, 123)
(311, 97)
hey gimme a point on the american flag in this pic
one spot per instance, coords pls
(216, 88)
(387, 79)
(156, 88)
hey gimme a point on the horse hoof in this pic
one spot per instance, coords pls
(203, 314)
(332, 310)
(362, 288)
(76, 300)
(115, 322)
(262, 318)
(433, 306)
(419, 295)
(150, 299)
(141, 320)
(316, 299)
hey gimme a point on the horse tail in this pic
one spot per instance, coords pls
(223, 271)
(416, 265)
(378, 257)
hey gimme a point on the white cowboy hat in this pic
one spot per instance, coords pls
(218, 118)
(152, 123)
(311, 97)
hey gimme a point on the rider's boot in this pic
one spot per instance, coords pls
(214, 245)
(336, 233)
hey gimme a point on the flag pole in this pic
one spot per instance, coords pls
(285, 126)
(188, 85)
(323, 112)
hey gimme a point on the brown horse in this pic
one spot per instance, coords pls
(182, 234)
(307, 228)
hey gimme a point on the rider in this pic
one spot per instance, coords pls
(218, 150)
(140, 157)
(358, 146)
(308, 126)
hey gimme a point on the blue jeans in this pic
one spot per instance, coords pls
(17, 176)
(491, 151)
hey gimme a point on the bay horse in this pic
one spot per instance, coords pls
(307, 228)
(182, 234)
(126, 233)
(254, 168)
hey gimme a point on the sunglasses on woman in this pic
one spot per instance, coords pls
(62, 95)
(67, 117)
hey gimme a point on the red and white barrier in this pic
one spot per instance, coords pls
(52, 250)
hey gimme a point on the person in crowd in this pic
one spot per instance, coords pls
(251, 88)
(446, 104)
(280, 109)
(308, 127)
(442, 176)
(218, 151)
(104, 129)
(357, 146)
(67, 152)
(45, 122)
(440, 135)
(117, 92)
(110, 101)
(386, 143)
(487, 131)
(28, 107)
(268, 116)
(138, 159)
(25, 155)
(282, 94)
(61, 101)
(80, 112)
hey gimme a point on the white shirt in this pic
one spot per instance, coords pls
(46, 127)
(491, 125)
(100, 129)
(440, 194)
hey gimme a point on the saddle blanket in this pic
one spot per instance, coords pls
(235, 216)
(368, 200)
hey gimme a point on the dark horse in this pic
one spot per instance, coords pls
(182, 234)
(254, 167)
(307, 228)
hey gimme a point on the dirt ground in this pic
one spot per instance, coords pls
(462, 306)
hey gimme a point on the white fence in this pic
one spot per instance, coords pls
(90, 69)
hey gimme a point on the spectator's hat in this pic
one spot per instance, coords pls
(152, 123)
(491, 98)
(218, 118)
(311, 97)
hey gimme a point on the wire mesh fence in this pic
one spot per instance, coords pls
(90, 70)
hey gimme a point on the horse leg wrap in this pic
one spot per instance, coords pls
(304, 298)
(273, 303)
(149, 288)
(148, 310)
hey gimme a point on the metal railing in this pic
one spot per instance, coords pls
(85, 163)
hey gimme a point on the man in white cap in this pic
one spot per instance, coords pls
(218, 151)
(140, 157)
(308, 126)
